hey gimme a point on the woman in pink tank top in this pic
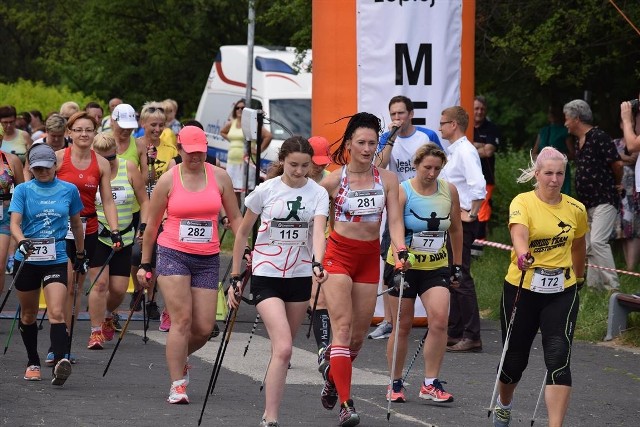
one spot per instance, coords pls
(188, 261)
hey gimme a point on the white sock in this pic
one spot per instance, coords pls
(428, 381)
(500, 404)
(96, 328)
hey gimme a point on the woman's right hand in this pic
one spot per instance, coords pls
(234, 295)
(144, 277)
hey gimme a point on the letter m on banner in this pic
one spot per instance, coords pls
(414, 66)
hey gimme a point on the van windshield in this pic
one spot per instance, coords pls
(293, 114)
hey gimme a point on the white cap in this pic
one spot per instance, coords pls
(125, 115)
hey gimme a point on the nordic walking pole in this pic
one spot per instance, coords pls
(264, 379)
(73, 309)
(15, 276)
(415, 356)
(44, 313)
(313, 309)
(544, 382)
(396, 326)
(231, 318)
(123, 331)
(13, 325)
(101, 270)
(145, 325)
(253, 330)
(508, 336)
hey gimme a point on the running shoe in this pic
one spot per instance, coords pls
(382, 331)
(50, 360)
(152, 310)
(96, 339)
(435, 392)
(61, 372)
(323, 360)
(501, 416)
(108, 329)
(134, 297)
(329, 395)
(396, 396)
(178, 392)
(116, 322)
(348, 416)
(185, 373)
(32, 373)
(10, 263)
(165, 321)
(265, 423)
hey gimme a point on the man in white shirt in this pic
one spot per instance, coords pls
(463, 170)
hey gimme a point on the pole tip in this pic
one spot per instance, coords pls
(488, 413)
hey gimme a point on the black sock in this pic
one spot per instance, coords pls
(59, 340)
(30, 339)
(322, 327)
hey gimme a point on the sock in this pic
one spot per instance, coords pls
(341, 370)
(59, 340)
(30, 339)
(397, 385)
(96, 329)
(321, 327)
(503, 406)
(428, 381)
(353, 354)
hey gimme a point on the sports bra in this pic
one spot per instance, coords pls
(359, 205)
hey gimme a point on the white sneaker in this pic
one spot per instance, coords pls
(178, 392)
(382, 331)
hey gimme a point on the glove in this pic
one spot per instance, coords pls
(233, 281)
(315, 264)
(116, 239)
(81, 264)
(403, 254)
(579, 282)
(141, 228)
(456, 276)
(247, 255)
(525, 261)
(25, 247)
(148, 270)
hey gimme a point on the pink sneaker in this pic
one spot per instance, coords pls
(165, 321)
(108, 329)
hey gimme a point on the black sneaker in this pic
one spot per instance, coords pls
(152, 310)
(348, 416)
(61, 372)
(116, 322)
(134, 297)
(329, 395)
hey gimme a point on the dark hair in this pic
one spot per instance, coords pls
(26, 116)
(294, 144)
(93, 104)
(7, 111)
(481, 99)
(406, 101)
(357, 121)
(192, 123)
(38, 114)
(233, 112)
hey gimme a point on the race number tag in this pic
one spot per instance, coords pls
(118, 193)
(196, 231)
(43, 250)
(427, 241)
(547, 281)
(363, 202)
(69, 235)
(289, 233)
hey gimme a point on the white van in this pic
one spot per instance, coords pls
(283, 93)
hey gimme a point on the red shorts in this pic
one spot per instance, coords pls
(358, 259)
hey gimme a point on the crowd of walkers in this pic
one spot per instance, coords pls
(87, 197)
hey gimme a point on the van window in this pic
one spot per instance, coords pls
(293, 114)
(273, 65)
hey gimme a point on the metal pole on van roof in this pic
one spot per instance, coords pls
(250, 41)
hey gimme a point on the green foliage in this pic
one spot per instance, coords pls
(509, 163)
(27, 96)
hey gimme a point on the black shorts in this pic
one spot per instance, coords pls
(33, 275)
(90, 242)
(135, 220)
(294, 289)
(419, 281)
(119, 264)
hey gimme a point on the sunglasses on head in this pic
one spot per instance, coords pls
(111, 157)
(154, 109)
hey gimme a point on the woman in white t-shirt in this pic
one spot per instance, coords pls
(288, 251)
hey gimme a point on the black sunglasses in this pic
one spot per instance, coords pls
(154, 109)
(110, 158)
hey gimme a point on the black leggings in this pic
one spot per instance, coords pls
(555, 315)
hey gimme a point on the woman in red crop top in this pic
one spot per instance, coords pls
(359, 192)
(79, 165)
(188, 262)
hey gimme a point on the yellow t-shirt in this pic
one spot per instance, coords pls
(552, 229)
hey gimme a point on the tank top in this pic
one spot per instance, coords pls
(7, 181)
(87, 180)
(123, 197)
(192, 217)
(131, 153)
(17, 145)
(235, 136)
(359, 205)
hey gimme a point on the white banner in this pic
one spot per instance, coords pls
(410, 48)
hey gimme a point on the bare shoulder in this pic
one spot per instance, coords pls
(388, 178)
(331, 181)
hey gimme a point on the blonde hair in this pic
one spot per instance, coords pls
(170, 104)
(429, 149)
(153, 110)
(68, 109)
(547, 153)
(104, 142)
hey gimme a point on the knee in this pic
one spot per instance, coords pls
(513, 367)
(438, 323)
(100, 288)
(55, 314)
(282, 352)
(181, 323)
(28, 317)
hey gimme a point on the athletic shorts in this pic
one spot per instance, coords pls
(358, 259)
(292, 289)
(119, 264)
(34, 275)
(90, 242)
(419, 281)
(5, 221)
(203, 269)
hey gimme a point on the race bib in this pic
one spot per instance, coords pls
(69, 235)
(428, 241)
(43, 250)
(289, 233)
(195, 231)
(546, 281)
(118, 193)
(364, 202)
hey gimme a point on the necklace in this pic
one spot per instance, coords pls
(364, 171)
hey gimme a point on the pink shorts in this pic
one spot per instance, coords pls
(358, 259)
